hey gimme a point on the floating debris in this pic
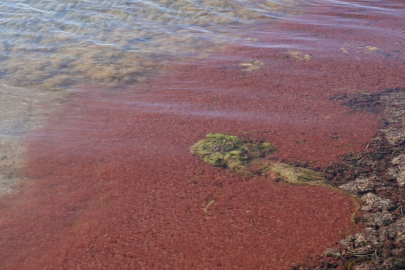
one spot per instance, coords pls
(371, 49)
(251, 65)
(251, 39)
(300, 55)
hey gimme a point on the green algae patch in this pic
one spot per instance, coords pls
(222, 150)
(246, 158)
(227, 151)
(296, 175)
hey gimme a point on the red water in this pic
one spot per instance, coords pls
(112, 184)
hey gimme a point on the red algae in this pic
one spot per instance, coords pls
(112, 183)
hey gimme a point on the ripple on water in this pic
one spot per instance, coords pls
(52, 45)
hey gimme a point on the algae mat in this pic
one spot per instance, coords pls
(133, 195)
(249, 159)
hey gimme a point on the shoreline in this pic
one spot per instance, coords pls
(376, 176)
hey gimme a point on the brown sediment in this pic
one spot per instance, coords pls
(108, 171)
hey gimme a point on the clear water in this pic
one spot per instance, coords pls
(49, 47)
(49, 44)
(51, 52)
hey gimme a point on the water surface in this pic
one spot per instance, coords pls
(108, 96)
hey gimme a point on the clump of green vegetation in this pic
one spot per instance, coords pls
(296, 175)
(221, 150)
(244, 158)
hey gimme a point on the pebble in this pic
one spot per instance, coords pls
(358, 186)
(372, 201)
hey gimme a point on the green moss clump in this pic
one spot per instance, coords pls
(296, 175)
(221, 150)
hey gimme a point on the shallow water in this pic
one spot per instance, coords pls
(48, 48)
(50, 44)
(101, 100)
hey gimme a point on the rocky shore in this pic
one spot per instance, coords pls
(377, 176)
